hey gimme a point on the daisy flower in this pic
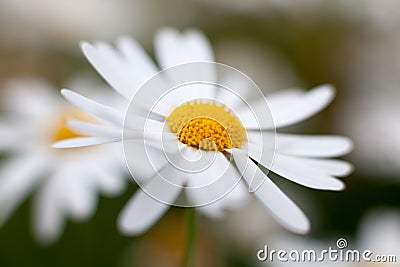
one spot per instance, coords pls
(207, 138)
(66, 185)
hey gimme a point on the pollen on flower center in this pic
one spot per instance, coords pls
(206, 126)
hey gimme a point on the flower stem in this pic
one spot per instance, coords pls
(190, 237)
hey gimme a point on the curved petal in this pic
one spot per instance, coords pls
(84, 141)
(112, 177)
(48, 217)
(137, 58)
(288, 214)
(220, 184)
(88, 128)
(310, 103)
(68, 192)
(99, 110)
(333, 167)
(17, 178)
(174, 48)
(142, 211)
(289, 107)
(80, 197)
(295, 170)
(11, 135)
(112, 67)
(305, 145)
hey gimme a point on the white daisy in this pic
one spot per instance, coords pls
(191, 125)
(65, 184)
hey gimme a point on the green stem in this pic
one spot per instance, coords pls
(190, 237)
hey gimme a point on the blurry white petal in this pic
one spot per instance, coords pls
(110, 179)
(294, 169)
(142, 211)
(84, 141)
(69, 191)
(81, 196)
(99, 110)
(10, 136)
(17, 178)
(288, 214)
(48, 215)
(380, 232)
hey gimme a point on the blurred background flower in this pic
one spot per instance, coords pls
(35, 117)
(351, 44)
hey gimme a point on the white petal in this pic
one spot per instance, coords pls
(10, 136)
(143, 161)
(17, 178)
(284, 98)
(313, 146)
(80, 193)
(256, 115)
(99, 110)
(215, 184)
(329, 166)
(383, 225)
(288, 214)
(288, 107)
(111, 178)
(112, 67)
(295, 170)
(235, 92)
(70, 191)
(48, 216)
(305, 145)
(88, 128)
(139, 61)
(188, 92)
(84, 141)
(174, 48)
(236, 198)
(310, 103)
(142, 211)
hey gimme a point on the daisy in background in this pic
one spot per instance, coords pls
(65, 184)
(193, 125)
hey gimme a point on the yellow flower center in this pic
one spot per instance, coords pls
(206, 126)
